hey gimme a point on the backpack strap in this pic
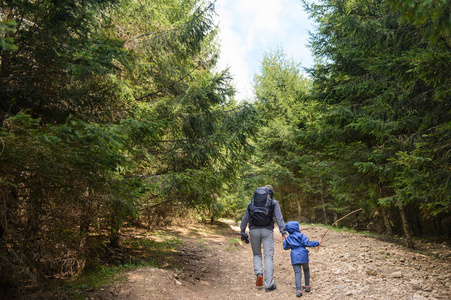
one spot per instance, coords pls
(268, 200)
(270, 206)
(252, 200)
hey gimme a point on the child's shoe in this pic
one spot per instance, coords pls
(307, 288)
(298, 294)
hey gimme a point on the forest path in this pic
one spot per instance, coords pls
(347, 266)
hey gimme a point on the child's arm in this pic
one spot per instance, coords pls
(286, 245)
(308, 243)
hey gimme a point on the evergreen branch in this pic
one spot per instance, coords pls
(155, 34)
(182, 140)
(211, 113)
(161, 203)
(406, 137)
(179, 28)
(171, 85)
(189, 139)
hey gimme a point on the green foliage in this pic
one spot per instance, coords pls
(98, 277)
(152, 253)
(56, 52)
(280, 89)
(433, 13)
(383, 78)
(108, 111)
(371, 129)
(232, 244)
(6, 28)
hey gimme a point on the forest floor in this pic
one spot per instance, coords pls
(214, 264)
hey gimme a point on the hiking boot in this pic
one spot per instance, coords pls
(298, 294)
(271, 288)
(307, 288)
(259, 280)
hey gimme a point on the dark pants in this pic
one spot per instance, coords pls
(298, 275)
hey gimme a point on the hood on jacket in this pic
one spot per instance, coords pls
(292, 227)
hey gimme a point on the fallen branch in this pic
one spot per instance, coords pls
(336, 222)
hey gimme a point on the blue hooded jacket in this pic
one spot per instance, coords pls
(297, 242)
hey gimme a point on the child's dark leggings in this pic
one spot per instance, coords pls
(298, 275)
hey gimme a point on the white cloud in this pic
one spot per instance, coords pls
(250, 28)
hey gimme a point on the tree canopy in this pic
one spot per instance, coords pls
(114, 113)
(371, 127)
(110, 111)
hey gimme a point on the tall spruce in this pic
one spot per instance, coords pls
(280, 92)
(386, 76)
(109, 109)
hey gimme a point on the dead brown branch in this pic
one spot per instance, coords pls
(336, 222)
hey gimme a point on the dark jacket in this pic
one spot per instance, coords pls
(297, 242)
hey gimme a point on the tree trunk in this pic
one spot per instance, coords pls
(298, 202)
(284, 211)
(323, 202)
(406, 227)
(149, 218)
(7, 196)
(291, 206)
(388, 228)
(282, 205)
(420, 230)
(114, 232)
(86, 211)
(326, 221)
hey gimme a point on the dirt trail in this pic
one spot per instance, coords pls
(347, 266)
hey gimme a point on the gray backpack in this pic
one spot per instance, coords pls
(261, 210)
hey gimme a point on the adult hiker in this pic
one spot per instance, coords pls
(260, 214)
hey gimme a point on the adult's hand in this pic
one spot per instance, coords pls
(245, 238)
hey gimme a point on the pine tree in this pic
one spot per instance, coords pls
(108, 110)
(382, 71)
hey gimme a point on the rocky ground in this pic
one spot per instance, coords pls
(215, 265)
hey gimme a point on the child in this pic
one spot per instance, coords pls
(297, 242)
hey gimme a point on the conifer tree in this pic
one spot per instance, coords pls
(383, 72)
(108, 109)
(280, 91)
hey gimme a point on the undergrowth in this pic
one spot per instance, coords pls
(108, 265)
(232, 244)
